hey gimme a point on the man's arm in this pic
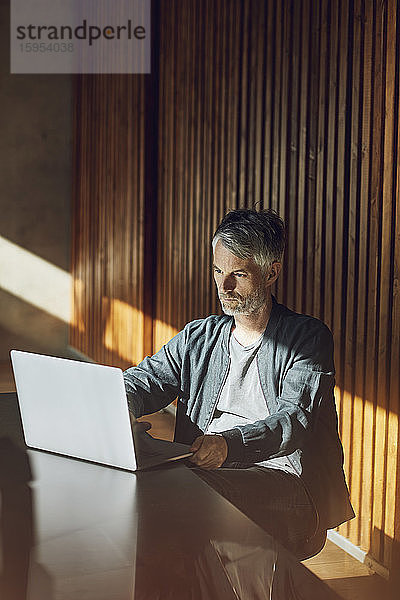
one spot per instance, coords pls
(156, 381)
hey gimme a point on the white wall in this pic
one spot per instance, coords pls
(35, 197)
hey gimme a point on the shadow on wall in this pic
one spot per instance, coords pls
(26, 327)
(35, 298)
(392, 548)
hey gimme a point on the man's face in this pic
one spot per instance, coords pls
(241, 283)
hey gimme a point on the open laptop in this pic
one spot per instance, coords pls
(79, 409)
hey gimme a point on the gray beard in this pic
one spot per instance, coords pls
(245, 306)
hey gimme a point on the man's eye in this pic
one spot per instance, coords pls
(240, 274)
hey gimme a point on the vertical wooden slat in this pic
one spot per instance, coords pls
(304, 72)
(373, 240)
(364, 492)
(331, 163)
(343, 199)
(243, 105)
(259, 58)
(321, 160)
(208, 149)
(276, 83)
(292, 193)
(340, 231)
(352, 323)
(312, 152)
(179, 146)
(282, 151)
(268, 106)
(383, 288)
(394, 425)
(388, 464)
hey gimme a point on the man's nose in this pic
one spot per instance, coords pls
(228, 283)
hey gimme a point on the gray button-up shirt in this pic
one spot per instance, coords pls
(296, 371)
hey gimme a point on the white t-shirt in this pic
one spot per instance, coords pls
(242, 400)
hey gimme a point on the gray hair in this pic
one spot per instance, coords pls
(252, 234)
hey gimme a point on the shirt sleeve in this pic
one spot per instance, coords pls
(306, 389)
(156, 381)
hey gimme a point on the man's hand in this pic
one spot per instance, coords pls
(210, 451)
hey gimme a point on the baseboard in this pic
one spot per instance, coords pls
(346, 545)
(356, 552)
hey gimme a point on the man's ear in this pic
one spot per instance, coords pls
(273, 273)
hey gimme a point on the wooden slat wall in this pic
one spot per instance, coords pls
(109, 220)
(282, 103)
(200, 161)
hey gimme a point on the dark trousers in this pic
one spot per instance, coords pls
(274, 500)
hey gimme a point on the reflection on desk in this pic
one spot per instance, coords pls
(73, 531)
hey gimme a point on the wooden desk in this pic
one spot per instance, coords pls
(72, 530)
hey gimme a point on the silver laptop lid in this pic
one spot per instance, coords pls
(74, 408)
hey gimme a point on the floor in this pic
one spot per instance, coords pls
(350, 579)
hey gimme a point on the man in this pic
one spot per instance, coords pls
(255, 393)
